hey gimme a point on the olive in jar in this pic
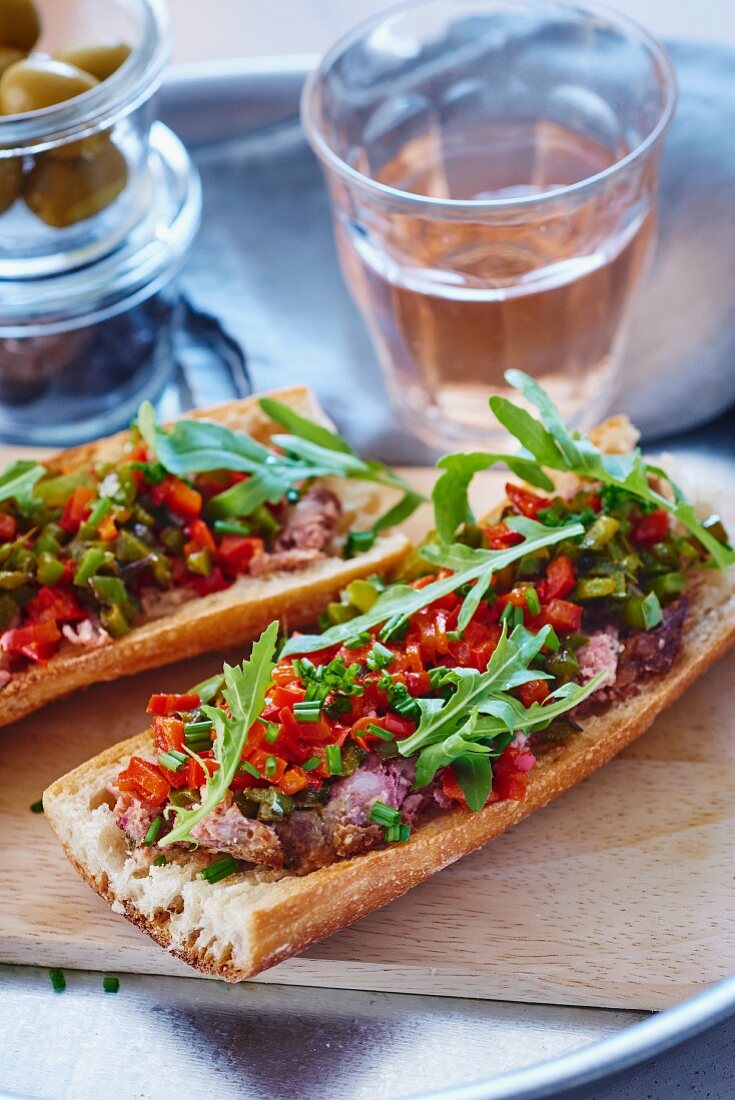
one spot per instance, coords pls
(20, 24)
(11, 181)
(99, 59)
(64, 191)
(39, 82)
(8, 56)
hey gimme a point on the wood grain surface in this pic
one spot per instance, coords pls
(621, 894)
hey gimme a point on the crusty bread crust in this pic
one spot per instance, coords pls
(240, 926)
(232, 617)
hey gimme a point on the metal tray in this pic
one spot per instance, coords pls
(265, 265)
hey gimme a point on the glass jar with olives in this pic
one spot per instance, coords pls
(77, 88)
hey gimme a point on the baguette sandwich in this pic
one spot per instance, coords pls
(154, 545)
(511, 658)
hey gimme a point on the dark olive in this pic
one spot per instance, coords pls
(11, 181)
(38, 82)
(20, 24)
(99, 59)
(62, 192)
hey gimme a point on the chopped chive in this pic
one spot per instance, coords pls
(506, 614)
(99, 511)
(192, 728)
(358, 641)
(230, 527)
(58, 981)
(405, 833)
(455, 635)
(308, 711)
(223, 868)
(312, 763)
(153, 830)
(382, 814)
(334, 759)
(110, 984)
(384, 735)
(37, 807)
(533, 603)
(271, 766)
(358, 542)
(392, 833)
(246, 766)
(160, 861)
(173, 760)
(517, 616)
(379, 657)
(395, 628)
(272, 732)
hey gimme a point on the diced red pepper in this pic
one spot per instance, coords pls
(107, 530)
(145, 778)
(294, 780)
(172, 704)
(500, 537)
(651, 528)
(76, 509)
(205, 586)
(37, 641)
(201, 536)
(564, 616)
(594, 501)
(260, 757)
(168, 733)
(528, 504)
(57, 604)
(8, 527)
(177, 496)
(194, 775)
(451, 787)
(561, 579)
(237, 551)
(535, 691)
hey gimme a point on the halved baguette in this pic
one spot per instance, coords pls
(240, 926)
(231, 617)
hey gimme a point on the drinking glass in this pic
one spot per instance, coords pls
(493, 169)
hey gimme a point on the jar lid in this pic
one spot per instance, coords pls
(144, 261)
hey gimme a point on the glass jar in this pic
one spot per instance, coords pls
(79, 349)
(78, 169)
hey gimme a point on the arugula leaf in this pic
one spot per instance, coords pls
(19, 480)
(244, 693)
(475, 776)
(469, 565)
(196, 446)
(451, 504)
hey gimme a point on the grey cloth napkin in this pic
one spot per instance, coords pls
(265, 264)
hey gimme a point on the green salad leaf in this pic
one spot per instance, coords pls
(548, 443)
(244, 692)
(311, 450)
(19, 480)
(480, 718)
(469, 565)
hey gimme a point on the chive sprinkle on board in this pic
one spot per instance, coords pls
(110, 984)
(57, 979)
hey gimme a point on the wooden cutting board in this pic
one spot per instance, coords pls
(621, 894)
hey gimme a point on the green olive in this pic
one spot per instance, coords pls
(99, 59)
(8, 56)
(63, 192)
(38, 82)
(11, 181)
(20, 24)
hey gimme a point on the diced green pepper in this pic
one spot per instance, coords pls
(340, 613)
(50, 540)
(231, 527)
(173, 538)
(91, 561)
(361, 594)
(594, 588)
(471, 535)
(129, 547)
(600, 533)
(55, 491)
(263, 520)
(8, 611)
(200, 562)
(716, 528)
(114, 621)
(13, 579)
(142, 516)
(109, 590)
(49, 570)
(642, 612)
(668, 586)
(120, 486)
(563, 664)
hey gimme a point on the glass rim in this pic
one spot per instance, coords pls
(135, 80)
(354, 177)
